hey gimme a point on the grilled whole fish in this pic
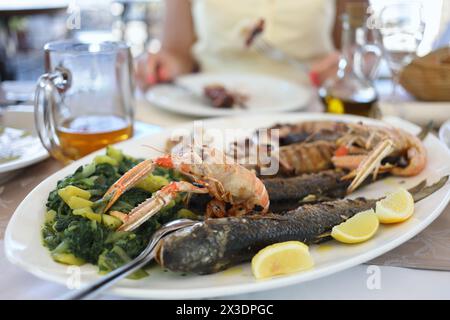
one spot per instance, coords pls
(216, 244)
(292, 190)
(308, 131)
(289, 193)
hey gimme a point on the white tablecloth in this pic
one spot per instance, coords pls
(395, 283)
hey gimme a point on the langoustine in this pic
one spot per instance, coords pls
(234, 190)
(288, 193)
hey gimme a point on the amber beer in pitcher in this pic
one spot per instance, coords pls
(85, 100)
(83, 135)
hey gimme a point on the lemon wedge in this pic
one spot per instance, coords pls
(359, 228)
(281, 258)
(396, 207)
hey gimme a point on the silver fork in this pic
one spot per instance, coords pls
(145, 257)
(265, 48)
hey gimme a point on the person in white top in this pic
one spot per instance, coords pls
(207, 35)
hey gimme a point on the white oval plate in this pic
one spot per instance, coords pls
(23, 244)
(265, 94)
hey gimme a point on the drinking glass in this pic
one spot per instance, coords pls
(401, 29)
(85, 100)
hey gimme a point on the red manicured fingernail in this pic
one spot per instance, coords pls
(151, 79)
(314, 78)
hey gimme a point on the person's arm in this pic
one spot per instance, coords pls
(178, 28)
(175, 57)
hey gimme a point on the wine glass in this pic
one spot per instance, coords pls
(401, 29)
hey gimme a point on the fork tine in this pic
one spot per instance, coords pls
(266, 48)
(267, 44)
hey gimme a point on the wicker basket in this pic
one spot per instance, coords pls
(428, 78)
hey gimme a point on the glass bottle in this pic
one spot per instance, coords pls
(350, 90)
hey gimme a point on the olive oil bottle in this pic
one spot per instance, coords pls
(336, 105)
(350, 90)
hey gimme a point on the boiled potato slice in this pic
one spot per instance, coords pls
(50, 216)
(71, 191)
(67, 258)
(77, 202)
(105, 159)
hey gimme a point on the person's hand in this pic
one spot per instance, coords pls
(324, 68)
(161, 67)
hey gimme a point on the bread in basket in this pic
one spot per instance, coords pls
(428, 78)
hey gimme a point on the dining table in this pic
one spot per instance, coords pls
(418, 269)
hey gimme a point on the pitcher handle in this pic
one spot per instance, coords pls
(46, 103)
(360, 62)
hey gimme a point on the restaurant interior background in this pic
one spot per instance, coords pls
(24, 31)
(23, 34)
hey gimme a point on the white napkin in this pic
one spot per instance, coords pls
(418, 112)
(404, 106)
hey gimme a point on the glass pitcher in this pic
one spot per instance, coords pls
(351, 90)
(85, 100)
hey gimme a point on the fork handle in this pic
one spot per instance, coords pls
(108, 280)
(141, 260)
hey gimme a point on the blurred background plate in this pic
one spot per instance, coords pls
(26, 149)
(22, 117)
(265, 94)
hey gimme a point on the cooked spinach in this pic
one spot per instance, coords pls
(131, 199)
(86, 239)
(83, 239)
